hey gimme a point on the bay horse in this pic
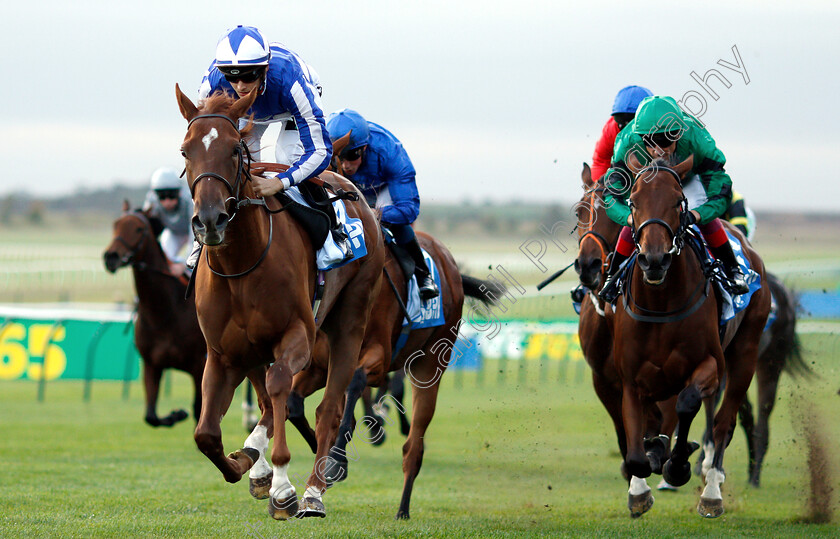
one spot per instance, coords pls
(166, 331)
(779, 349)
(424, 357)
(597, 236)
(666, 336)
(254, 286)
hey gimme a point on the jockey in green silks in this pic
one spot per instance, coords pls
(662, 130)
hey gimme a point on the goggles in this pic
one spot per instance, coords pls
(661, 140)
(243, 74)
(352, 155)
(164, 194)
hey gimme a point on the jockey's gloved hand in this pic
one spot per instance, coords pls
(690, 219)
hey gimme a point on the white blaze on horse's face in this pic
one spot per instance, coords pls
(209, 138)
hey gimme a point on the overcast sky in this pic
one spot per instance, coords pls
(493, 100)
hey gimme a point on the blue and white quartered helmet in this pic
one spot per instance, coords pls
(242, 46)
(346, 121)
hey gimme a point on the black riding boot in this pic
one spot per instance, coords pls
(610, 290)
(737, 280)
(427, 287)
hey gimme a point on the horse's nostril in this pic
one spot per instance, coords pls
(222, 220)
(197, 224)
(666, 260)
(643, 261)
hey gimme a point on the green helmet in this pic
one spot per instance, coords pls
(658, 114)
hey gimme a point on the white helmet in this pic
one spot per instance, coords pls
(243, 46)
(166, 178)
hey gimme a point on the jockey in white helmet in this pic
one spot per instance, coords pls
(169, 200)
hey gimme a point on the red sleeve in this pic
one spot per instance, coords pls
(604, 149)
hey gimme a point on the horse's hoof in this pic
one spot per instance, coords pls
(335, 471)
(284, 508)
(260, 486)
(676, 474)
(312, 507)
(656, 450)
(246, 457)
(639, 504)
(709, 508)
(402, 515)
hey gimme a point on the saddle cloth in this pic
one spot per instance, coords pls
(329, 256)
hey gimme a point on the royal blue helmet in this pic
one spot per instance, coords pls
(242, 46)
(346, 121)
(628, 98)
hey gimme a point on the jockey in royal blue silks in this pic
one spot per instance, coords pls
(288, 93)
(377, 163)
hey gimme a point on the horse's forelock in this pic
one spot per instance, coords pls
(220, 103)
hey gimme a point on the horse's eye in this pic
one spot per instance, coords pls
(183, 154)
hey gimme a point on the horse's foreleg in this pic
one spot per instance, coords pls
(610, 397)
(677, 471)
(151, 381)
(197, 375)
(397, 388)
(747, 421)
(261, 474)
(291, 354)
(632, 413)
(217, 389)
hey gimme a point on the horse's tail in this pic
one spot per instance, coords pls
(784, 336)
(488, 292)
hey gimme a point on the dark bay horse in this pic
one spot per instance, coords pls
(254, 286)
(666, 339)
(166, 331)
(779, 349)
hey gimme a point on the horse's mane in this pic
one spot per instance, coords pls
(220, 103)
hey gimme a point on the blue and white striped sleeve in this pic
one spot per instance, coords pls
(304, 103)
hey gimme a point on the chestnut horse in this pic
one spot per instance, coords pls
(254, 286)
(166, 331)
(666, 339)
(779, 349)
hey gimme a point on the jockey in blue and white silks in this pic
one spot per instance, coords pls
(289, 93)
(375, 160)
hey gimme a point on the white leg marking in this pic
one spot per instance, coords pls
(708, 457)
(259, 440)
(280, 485)
(638, 486)
(714, 479)
(312, 492)
(209, 138)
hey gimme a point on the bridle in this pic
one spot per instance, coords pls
(128, 259)
(242, 171)
(590, 234)
(678, 237)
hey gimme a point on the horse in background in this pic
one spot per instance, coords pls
(666, 336)
(255, 285)
(779, 349)
(166, 331)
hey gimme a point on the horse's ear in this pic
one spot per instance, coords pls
(188, 109)
(125, 206)
(340, 144)
(685, 167)
(633, 163)
(586, 175)
(241, 106)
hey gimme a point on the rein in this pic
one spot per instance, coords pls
(701, 292)
(600, 240)
(130, 258)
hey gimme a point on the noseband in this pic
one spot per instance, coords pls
(677, 238)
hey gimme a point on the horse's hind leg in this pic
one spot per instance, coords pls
(305, 383)
(768, 383)
(424, 400)
(747, 421)
(336, 469)
(151, 380)
(397, 389)
(217, 388)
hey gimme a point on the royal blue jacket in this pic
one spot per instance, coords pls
(289, 92)
(386, 164)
